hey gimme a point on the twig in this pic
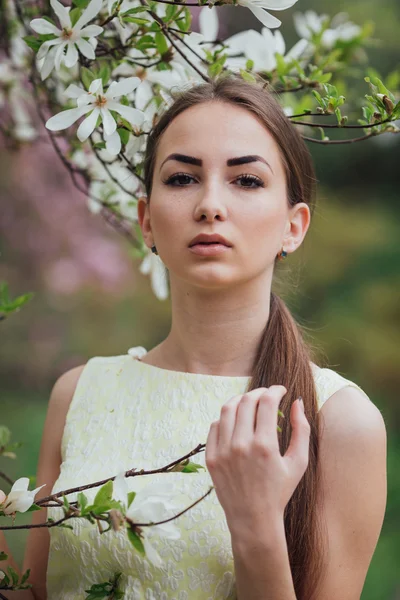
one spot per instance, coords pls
(351, 141)
(342, 126)
(6, 478)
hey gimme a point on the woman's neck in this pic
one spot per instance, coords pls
(214, 333)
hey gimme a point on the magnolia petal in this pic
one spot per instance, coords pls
(43, 26)
(109, 123)
(20, 485)
(18, 501)
(134, 116)
(48, 63)
(113, 143)
(300, 25)
(298, 49)
(159, 282)
(35, 491)
(168, 530)
(120, 88)
(274, 4)
(59, 55)
(74, 91)
(208, 22)
(66, 118)
(87, 126)
(62, 13)
(262, 15)
(86, 48)
(145, 265)
(92, 9)
(85, 99)
(96, 87)
(120, 488)
(280, 45)
(151, 553)
(71, 57)
(91, 30)
(144, 93)
(44, 48)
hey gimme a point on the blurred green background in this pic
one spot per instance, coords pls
(90, 299)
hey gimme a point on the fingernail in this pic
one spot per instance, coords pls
(301, 403)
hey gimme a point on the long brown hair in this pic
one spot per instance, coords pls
(283, 356)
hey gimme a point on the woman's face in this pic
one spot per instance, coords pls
(245, 203)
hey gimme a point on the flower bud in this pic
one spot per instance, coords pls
(117, 519)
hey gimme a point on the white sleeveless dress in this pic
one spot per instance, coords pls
(125, 414)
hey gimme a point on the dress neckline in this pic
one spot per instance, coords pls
(138, 352)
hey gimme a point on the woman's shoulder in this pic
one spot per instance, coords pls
(328, 381)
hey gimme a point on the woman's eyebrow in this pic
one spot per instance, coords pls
(231, 162)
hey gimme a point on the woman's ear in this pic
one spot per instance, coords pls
(144, 220)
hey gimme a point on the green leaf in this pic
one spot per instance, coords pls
(281, 67)
(104, 74)
(65, 526)
(137, 20)
(247, 76)
(14, 575)
(82, 502)
(192, 468)
(104, 495)
(136, 541)
(5, 435)
(161, 43)
(3, 555)
(134, 11)
(249, 64)
(25, 576)
(74, 15)
(124, 135)
(87, 77)
(80, 3)
(99, 145)
(33, 508)
(33, 42)
(131, 497)
(170, 12)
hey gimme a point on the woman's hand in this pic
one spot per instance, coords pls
(252, 480)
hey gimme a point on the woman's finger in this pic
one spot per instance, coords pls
(298, 450)
(212, 444)
(230, 416)
(267, 414)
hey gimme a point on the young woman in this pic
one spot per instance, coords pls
(295, 514)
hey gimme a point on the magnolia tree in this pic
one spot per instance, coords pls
(98, 74)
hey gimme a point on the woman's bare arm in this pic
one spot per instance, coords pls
(38, 541)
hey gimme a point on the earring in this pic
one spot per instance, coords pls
(154, 249)
(282, 254)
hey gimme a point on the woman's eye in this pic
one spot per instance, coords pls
(179, 179)
(248, 180)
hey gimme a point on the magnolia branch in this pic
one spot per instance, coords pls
(45, 502)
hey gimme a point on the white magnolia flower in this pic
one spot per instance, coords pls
(151, 503)
(261, 49)
(51, 53)
(119, 186)
(20, 498)
(99, 104)
(259, 9)
(340, 28)
(153, 265)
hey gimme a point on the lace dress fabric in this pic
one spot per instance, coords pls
(125, 414)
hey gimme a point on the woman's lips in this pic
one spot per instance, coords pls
(208, 249)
